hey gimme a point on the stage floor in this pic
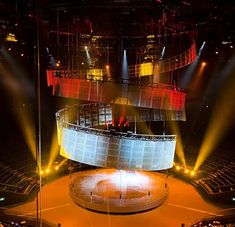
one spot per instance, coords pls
(119, 191)
(184, 205)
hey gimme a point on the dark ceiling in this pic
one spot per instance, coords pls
(212, 20)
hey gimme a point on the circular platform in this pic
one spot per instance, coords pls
(119, 191)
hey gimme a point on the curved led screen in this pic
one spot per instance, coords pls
(116, 151)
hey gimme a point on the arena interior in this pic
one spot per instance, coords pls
(117, 113)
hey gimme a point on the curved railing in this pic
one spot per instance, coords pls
(134, 71)
(113, 133)
(170, 64)
(155, 97)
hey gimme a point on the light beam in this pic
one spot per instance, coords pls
(220, 121)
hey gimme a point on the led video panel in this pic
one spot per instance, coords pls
(115, 151)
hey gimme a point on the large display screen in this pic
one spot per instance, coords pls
(117, 152)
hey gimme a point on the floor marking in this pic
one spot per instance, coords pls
(193, 209)
(50, 208)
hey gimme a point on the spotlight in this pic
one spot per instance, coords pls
(201, 48)
(124, 65)
(82, 63)
(177, 167)
(22, 55)
(9, 49)
(107, 67)
(216, 52)
(203, 63)
(41, 172)
(186, 171)
(163, 52)
(192, 173)
(58, 64)
(47, 170)
(2, 198)
(231, 46)
(88, 56)
(57, 167)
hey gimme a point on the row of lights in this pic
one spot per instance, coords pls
(184, 170)
(48, 170)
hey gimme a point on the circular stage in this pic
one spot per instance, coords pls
(119, 191)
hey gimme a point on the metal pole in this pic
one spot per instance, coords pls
(38, 120)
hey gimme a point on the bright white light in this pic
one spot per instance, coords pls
(88, 56)
(124, 65)
(124, 179)
(2, 198)
(201, 48)
(163, 52)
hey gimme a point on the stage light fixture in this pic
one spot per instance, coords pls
(203, 63)
(47, 170)
(192, 173)
(107, 67)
